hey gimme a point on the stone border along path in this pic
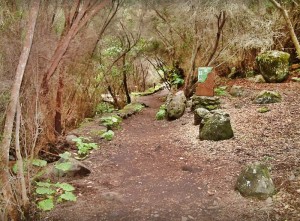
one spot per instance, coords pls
(154, 170)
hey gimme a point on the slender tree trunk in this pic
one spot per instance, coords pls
(58, 110)
(116, 102)
(289, 26)
(125, 84)
(21, 177)
(10, 115)
(189, 81)
(221, 22)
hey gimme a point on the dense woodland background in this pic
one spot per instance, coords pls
(82, 49)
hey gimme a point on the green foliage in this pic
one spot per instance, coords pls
(109, 135)
(46, 204)
(111, 122)
(104, 107)
(68, 196)
(26, 163)
(39, 163)
(49, 193)
(83, 147)
(177, 80)
(221, 91)
(162, 112)
(149, 91)
(65, 166)
(66, 155)
(44, 190)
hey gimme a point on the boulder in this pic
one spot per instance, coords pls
(209, 103)
(70, 139)
(267, 97)
(176, 104)
(257, 79)
(69, 168)
(236, 91)
(273, 65)
(216, 126)
(255, 181)
(199, 115)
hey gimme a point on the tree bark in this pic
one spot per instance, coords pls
(11, 112)
(77, 22)
(125, 84)
(289, 26)
(221, 22)
(58, 110)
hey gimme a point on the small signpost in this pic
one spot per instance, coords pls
(206, 82)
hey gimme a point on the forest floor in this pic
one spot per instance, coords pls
(159, 170)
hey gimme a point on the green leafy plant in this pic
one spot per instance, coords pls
(26, 163)
(109, 135)
(111, 122)
(83, 147)
(221, 91)
(48, 194)
(104, 107)
(162, 112)
(177, 80)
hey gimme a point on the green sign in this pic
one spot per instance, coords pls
(203, 73)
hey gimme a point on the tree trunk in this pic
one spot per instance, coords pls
(289, 26)
(116, 102)
(10, 115)
(221, 22)
(125, 85)
(58, 110)
(190, 78)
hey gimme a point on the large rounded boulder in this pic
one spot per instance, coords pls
(176, 104)
(255, 181)
(216, 126)
(273, 65)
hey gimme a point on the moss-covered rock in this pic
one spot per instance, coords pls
(176, 105)
(236, 91)
(255, 181)
(267, 97)
(216, 126)
(273, 65)
(130, 109)
(263, 109)
(199, 115)
(209, 103)
(295, 79)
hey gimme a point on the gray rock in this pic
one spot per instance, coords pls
(216, 126)
(176, 105)
(199, 115)
(69, 139)
(257, 79)
(255, 181)
(209, 103)
(75, 169)
(236, 91)
(273, 65)
(267, 97)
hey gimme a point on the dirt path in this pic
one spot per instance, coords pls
(158, 170)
